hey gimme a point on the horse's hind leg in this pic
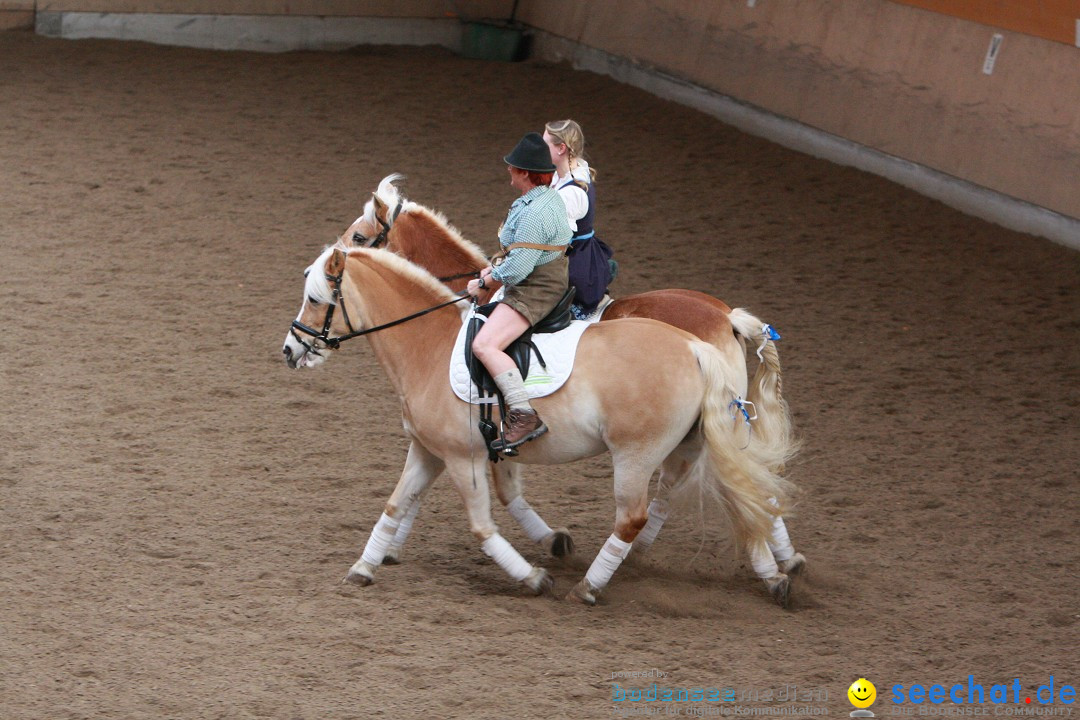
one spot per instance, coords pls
(776, 562)
(672, 471)
(631, 493)
(421, 467)
(508, 487)
(790, 562)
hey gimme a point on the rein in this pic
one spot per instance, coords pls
(470, 274)
(335, 342)
(380, 239)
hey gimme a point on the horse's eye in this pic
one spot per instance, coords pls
(312, 300)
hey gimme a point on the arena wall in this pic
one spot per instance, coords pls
(908, 89)
(908, 84)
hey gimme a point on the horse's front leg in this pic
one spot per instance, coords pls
(508, 487)
(421, 468)
(393, 553)
(477, 498)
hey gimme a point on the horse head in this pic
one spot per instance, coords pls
(372, 229)
(384, 290)
(318, 328)
(416, 233)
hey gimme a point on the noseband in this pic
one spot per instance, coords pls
(338, 299)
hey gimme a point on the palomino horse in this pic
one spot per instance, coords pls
(427, 239)
(687, 385)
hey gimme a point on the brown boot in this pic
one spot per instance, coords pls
(521, 426)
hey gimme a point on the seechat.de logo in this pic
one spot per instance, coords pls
(862, 695)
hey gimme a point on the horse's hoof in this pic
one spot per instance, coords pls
(391, 557)
(794, 566)
(539, 581)
(780, 589)
(361, 573)
(583, 592)
(560, 543)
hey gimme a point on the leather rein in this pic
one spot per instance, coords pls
(333, 343)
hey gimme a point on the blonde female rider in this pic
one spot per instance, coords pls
(591, 266)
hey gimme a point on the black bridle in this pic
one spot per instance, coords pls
(338, 299)
(379, 239)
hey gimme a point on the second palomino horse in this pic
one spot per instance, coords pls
(688, 385)
(427, 239)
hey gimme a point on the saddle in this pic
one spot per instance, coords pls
(520, 351)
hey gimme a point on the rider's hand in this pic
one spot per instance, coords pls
(473, 288)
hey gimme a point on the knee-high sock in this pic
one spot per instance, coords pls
(513, 389)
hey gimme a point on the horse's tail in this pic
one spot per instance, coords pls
(773, 426)
(734, 469)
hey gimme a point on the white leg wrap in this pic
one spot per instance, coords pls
(381, 535)
(533, 525)
(405, 526)
(607, 562)
(780, 543)
(763, 561)
(505, 556)
(658, 512)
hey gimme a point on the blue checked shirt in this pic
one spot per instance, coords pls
(538, 216)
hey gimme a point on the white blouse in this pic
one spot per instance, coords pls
(574, 198)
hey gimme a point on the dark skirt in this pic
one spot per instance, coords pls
(590, 271)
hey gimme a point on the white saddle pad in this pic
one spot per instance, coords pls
(558, 350)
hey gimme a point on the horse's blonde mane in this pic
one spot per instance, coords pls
(396, 264)
(318, 288)
(389, 194)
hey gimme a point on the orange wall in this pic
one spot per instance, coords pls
(1051, 19)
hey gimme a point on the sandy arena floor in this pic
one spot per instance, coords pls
(177, 508)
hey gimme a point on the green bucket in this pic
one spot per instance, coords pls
(493, 41)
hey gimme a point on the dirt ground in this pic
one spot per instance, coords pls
(178, 507)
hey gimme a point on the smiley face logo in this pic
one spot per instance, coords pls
(862, 693)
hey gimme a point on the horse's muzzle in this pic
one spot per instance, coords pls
(289, 359)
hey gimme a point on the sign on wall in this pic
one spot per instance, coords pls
(1057, 20)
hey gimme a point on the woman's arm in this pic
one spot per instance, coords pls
(576, 201)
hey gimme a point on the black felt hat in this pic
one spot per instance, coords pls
(532, 154)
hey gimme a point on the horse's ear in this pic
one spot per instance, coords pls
(380, 207)
(336, 263)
